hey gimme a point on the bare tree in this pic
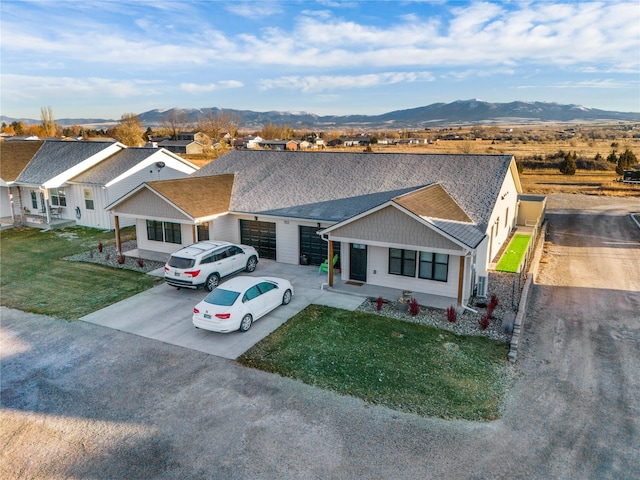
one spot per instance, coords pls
(129, 130)
(218, 124)
(175, 121)
(48, 122)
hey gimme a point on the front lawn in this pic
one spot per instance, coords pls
(401, 365)
(35, 278)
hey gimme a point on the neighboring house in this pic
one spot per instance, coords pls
(117, 175)
(185, 147)
(14, 157)
(279, 144)
(199, 137)
(248, 141)
(76, 180)
(425, 223)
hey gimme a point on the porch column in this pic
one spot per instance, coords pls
(116, 221)
(330, 262)
(193, 233)
(461, 279)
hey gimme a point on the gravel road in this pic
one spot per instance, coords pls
(83, 401)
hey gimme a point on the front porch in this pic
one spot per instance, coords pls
(35, 221)
(366, 290)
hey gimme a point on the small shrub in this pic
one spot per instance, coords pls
(107, 257)
(140, 262)
(414, 307)
(100, 247)
(90, 253)
(483, 322)
(452, 315)
(120, 259)
(379, 303)
(493, 302)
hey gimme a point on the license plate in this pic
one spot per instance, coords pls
(207, 316)
(177, 274)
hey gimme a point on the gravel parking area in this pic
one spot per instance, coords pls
(83, 401)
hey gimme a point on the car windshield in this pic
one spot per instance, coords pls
(180, 262)
(222, 297)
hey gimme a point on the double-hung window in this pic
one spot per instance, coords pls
(434, 266)
(164, 231)
(154, 230)
(172, 232)
(402, 262)
(58, 197)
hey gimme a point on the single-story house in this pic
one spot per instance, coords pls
(279, 144)
(76, 180)
(185, 147)
(421, 222)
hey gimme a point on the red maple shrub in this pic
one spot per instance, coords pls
(452, 315)
(483, 322)
(120, 259)
(379, 303)
(140, 262)
(100, 247)
(414, 307)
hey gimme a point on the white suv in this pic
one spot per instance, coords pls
(203, 264)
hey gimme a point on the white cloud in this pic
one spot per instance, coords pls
(332, 82)
(23, 86)
(197, 89)
(482, 33)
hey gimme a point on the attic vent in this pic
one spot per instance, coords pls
(160, 165)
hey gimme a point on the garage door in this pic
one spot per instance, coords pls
(261, 236)
(313, 246)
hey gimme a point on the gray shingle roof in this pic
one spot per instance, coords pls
(56, 157)
(327, 186)
(114, 166)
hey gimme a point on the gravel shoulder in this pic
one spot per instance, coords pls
(82, 401)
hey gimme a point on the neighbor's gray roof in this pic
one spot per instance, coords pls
(332, 187)
(56, 157)
(115, 165)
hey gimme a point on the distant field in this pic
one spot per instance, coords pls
(588, 142)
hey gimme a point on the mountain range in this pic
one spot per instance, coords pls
(460, 112)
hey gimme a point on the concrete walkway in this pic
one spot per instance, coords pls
(164, 313)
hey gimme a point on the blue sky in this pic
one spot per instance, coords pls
(101, 59)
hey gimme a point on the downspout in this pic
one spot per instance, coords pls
(328, 243)
(463, 261)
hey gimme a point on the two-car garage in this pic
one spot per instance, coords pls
(262, 236)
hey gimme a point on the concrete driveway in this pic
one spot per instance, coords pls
(164, 313)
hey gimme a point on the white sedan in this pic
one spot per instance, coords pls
(238, 302)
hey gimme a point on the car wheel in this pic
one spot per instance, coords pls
(212, 282)
(286, 298)
(246, 322)
(252, 263)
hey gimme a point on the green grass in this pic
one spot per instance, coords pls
(513, 255)
(34, 278)
(401, 365)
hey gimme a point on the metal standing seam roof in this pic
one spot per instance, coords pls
(328, 186)
(56, 157)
